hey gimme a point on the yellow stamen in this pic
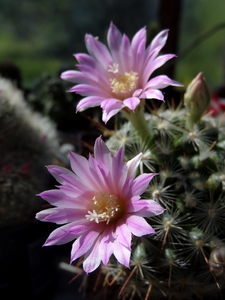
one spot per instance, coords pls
(106, 207)
(124, 83)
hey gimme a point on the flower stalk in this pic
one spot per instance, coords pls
(139, 123)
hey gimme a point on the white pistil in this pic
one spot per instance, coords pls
(113, 68)
(93, 216)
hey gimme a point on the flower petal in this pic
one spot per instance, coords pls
(152, 94)
(102, 153)
(133, 165)
(92, 258)
(86, 241)
(106, 244)
(58, 198)
(110, 108)
(98, 50)
(122, 253)
(65, 233)
(114, 39)
(141, 183)
(145, 208)
(90, 101)
(131, 102)
(123, 234)
(160, 82)
(60, 216)
(138, 226)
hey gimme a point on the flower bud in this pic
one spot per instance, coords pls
(196, 99)
(217, 260)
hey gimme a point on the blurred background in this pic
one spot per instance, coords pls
(41, 36)
(38, 123)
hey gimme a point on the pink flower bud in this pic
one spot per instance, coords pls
(196, 99)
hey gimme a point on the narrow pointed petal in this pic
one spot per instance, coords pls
(90, 101)
(107, 244)
(80, 166)
(138, 38)
(65, 234)
(58, 198)
(145, 208)
(85, 242)
(151, 66)
(138, 226)
(98, 50)
(123, 234)
(152, 94)
(92, 258)
(160, 82)
(89, 90)
(122, 254)
(114, 39)
(57, 171)
(102, 153)
(60, 216)
(131, 102)
(141, 183)
(110, 108)
(133, 165)
(159, 40)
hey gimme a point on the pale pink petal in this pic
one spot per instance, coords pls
(160, 82)
(131, 102)
(110, 108)
(61, 216)
(58, 198)
(139, 57)
(138, 38)
(98, 76)
(86, 241)
(77, 77)
(101, 183)
(151, 66)
(92, 258)
(119, 167)
(123, 234)
(57, 171)
(138, 226)
(122, 254)
(152, 94)
(133, 165)
(80, 166)
(106, 244)
(145, 208)
(76, 192)
(98, 50)
(141, 183)
(90, 101)
(114, 39)
(65, 233)
(159, 41)
(89, 90)
(127, 55)
(102, 153)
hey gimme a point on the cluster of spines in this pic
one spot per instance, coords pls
(179, 261)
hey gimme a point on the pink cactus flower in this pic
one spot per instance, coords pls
(118, 77)
(100, 205)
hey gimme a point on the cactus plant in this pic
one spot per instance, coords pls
(183, 144)
(28, 142)
(185, 258)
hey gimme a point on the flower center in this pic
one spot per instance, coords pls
(122, 83)
(106, 207)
